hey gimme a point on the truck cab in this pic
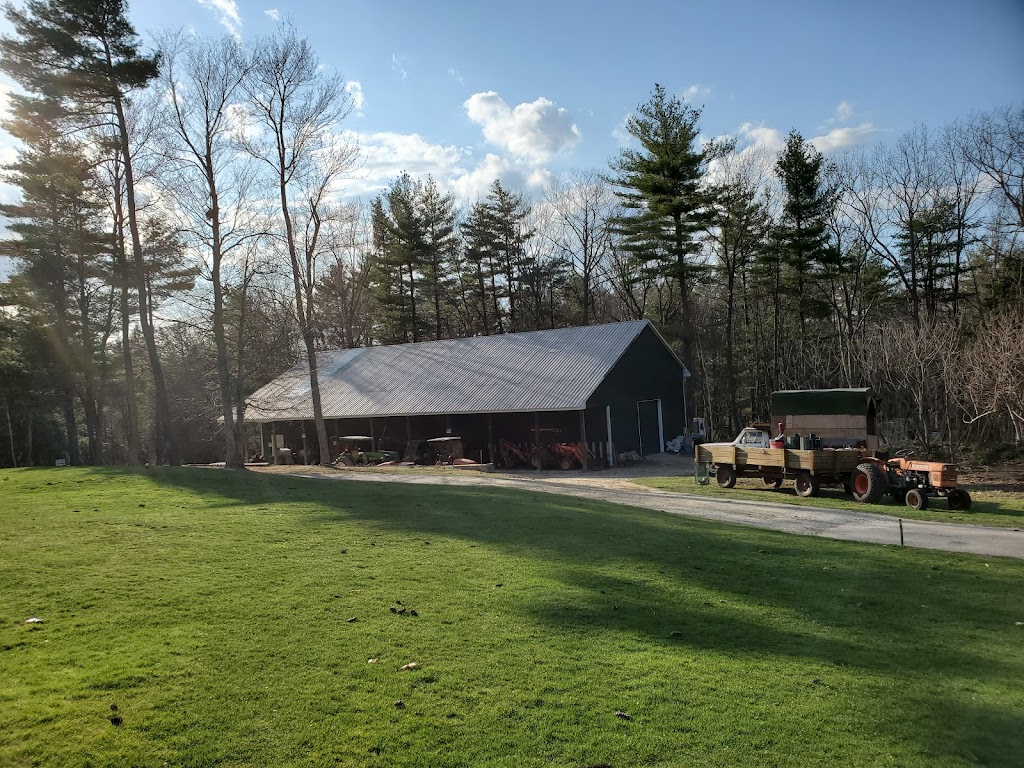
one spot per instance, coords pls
(750, 437)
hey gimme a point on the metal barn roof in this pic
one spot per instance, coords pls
(552, 370)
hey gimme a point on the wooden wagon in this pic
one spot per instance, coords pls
(808, 469)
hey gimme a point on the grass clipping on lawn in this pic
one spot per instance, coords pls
(193, 617)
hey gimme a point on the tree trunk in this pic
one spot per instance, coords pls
(10, 433)
(131, 398)
(233, 452)
(71, 425)
(166, 448)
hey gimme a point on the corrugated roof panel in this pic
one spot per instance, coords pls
(533, 371)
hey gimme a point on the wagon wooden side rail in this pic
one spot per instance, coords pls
(808, 469)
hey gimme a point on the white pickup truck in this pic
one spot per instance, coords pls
(750, 437)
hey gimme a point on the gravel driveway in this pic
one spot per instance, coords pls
(614, 486)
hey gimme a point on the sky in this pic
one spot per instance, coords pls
(470, 91)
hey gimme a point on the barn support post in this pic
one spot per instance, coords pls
(583, 440)
(373, 436)
(305, 445)
(408, 429)
(661, 429)
(273, 442)
(490, 437)
(536, 433)
(608, 434)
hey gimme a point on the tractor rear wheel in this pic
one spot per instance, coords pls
(772, 482)
(806, 485)
(867, 482)
(959, 499)
(725, 476)
(917, 499)
(346, 459)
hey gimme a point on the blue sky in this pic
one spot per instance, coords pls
(468, 91)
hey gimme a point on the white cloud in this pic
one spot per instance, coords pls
(273, 13)
(227, 14)
(838, 138)
(512, 174)
(621, 133)
(696, 91)
(759, 135)
(400, 65)
(354, 89)
(534, 130)
(387, 154)
(844, 111)
(240, 123)
(456, 75)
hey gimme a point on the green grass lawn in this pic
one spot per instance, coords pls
(992, 508)
(230, 617)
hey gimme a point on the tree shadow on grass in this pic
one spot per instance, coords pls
(892, 603)
(698, 585)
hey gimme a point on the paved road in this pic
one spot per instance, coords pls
(810, 521)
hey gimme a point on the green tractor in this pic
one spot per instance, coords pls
(356, 451)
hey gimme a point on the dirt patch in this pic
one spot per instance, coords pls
(661, 465)
(1006, 478)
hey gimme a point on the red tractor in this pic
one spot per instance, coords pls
(907, 480)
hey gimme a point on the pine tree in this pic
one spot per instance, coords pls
(440, 243)
(802, 234)
(660, 186)
(63, 259)
(85, 58)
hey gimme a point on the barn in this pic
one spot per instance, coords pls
(617, 387)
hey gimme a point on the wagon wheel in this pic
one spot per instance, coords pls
(772, 482)
(806, 485)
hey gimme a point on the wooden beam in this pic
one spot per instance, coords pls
(583, 439)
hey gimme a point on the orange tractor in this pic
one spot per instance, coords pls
(907, 480)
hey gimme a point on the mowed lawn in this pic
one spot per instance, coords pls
(231, 617)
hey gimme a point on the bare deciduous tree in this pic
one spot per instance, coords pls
(296, 108)
(211, 183)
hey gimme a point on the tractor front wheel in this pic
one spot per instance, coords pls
(959, 499)
(867, 482)
(725, 476)
(537, 460)
(567, 463)
(806, 485)
(917, 499)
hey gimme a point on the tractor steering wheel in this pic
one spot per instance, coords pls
(904, 453)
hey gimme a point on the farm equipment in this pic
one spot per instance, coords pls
(447, 450)
(908, 480)
(512, 455)
(563, 455)
(808, 469)
(355, 452)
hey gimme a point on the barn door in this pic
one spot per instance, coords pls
(648, 417)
